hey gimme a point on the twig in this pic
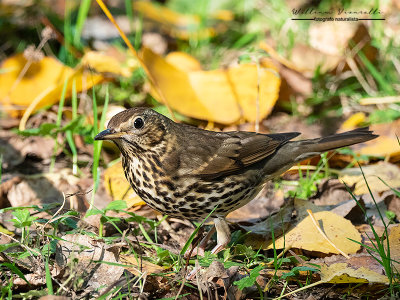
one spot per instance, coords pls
(379, 100)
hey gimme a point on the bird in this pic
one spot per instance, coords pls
(191, 173)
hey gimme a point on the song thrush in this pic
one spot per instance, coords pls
(186, 172)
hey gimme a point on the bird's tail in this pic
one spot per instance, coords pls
(293, 152)
(313, 147)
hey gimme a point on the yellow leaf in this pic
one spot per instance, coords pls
(104, 63)
(342, 273)
(222, 96)
(353, 121)
(183, 26)
(394, 245)
(306, 236)
(388, 172)
(244, 80)
(41, 85)
(6, 231)
(387, 144)
(118, 187)
(183, 61)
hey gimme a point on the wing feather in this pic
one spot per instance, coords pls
(217, 154)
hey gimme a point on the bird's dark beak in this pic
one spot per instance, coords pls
(108, 134)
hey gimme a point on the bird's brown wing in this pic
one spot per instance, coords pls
(228, 152)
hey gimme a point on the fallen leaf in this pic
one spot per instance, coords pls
(325, 50)
(118, 187)
(351, 211)
(182, 26)
(41, 85)
(294, 84)
(260, 232)
(139, 266)
(386, 144)
(47, 189)
(54, 297)
(183, 61)
(374, 174)
(304, 235)
(92, 261)
(353, 121)
(222, 96)
(16, 148)
(392, 202)
(394, 245)
(331, 38)
(343, 273)
(331, 192)
(106, 63)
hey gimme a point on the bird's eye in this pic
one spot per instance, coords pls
(138, 123)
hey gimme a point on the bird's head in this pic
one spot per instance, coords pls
(139, 129)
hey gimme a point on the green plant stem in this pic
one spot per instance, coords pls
(74, 151)
(58, 123)
(97, 144)
(74, 101)
(82, 15)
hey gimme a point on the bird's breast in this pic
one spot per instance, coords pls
(189, 197)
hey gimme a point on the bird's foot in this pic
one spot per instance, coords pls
(223, 238)
(199, 250)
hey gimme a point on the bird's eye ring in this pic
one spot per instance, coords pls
(138, 123)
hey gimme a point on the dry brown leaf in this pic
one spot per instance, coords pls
(140, 266)
(331, 191)
(118, 187)
(325, 51)
(392, 202)
(223, 96)
(388, 172)
(331, 38)
(42, 84)
(261, 231)
(97, 275)
(308, 59)
(47, 189)
(351, 211)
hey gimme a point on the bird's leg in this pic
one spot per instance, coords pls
(223, 238)
(201, 247)
(223, 234)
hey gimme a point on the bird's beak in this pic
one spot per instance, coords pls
(108, 134)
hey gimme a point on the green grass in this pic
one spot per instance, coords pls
(97, 144)
(380, 249)
(82, 15)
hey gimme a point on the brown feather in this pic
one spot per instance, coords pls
(209, 155)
